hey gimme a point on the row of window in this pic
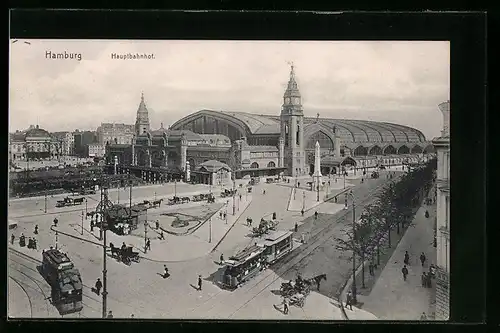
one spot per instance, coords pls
(256, 165)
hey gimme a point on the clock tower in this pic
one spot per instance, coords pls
(292, 128)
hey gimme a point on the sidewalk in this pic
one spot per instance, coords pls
(394, 299)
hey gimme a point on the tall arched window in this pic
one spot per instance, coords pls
(254, 165)
(297, 135)
(271, 164)
(323, 139)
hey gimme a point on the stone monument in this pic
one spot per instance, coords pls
(317, 177)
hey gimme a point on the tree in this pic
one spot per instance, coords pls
(359, 241)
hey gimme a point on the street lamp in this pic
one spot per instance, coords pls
(353, 245)
(210, 230)
(303, 200)
(234, 197)
(146, 233)
(86, 208)
(82, 222)
(175, 187)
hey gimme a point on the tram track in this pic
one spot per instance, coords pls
(317, 241)
(85, 294)
(37, 283)
(26, 292)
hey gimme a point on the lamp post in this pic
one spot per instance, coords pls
(82, 222)
(353, 246)
(343, 173)
(56, 240)
(86, 208)
(317, 188)
(234, 197)
(303, 200)
(175, 187)
(210, 230)
(45, 208)
(146, 233)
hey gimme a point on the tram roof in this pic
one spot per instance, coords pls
(278, 236)
(245, 255)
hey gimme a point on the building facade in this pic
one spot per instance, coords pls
(257, 145)
(96, 150)
(111, 133)
(442, 146)
(67, 142)
(82, 140)
(34, 143)
(288, 140)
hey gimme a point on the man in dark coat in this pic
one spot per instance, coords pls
(98, 286)
(199, 282)
(422, 259)
(404, 270)
(407, 258)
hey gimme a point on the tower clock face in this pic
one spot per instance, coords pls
(296, 100)
(287, 100)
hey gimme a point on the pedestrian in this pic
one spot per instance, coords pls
(285, 305)
(407, 258)
(349, 300)
(274, 216)
(370, 269)
(199, 282)
(221, 258)
(362, 180)
(220, 214)
(12, 239)
(225, 214)
(110, 314)
(263, 191)
(55, 221)
(34, 243)
(315, 215)
(157, 224)
(426, 214)
(424, 279)
(335, 199)
(428, 280)
(296, 227)
(36, 230)
(302, 212)
(422, 259)
(165, 274)
(98, 286)
(302, 238)
(423, 316)
(240, 196)
(92, 225)
(148, 244)
(404, 270)
(161, 235)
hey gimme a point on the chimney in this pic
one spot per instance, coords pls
(445, 110)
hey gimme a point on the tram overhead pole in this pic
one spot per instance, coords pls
(104, 227)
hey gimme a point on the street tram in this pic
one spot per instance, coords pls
(277, 245)
(250, 261)
(243, 266)
(64, 279)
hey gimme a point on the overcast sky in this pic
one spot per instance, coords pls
(400, 82)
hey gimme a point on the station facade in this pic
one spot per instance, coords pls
(259, 145)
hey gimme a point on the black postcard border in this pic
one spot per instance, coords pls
(466, 31)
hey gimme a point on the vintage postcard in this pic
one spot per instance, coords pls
(229, 180)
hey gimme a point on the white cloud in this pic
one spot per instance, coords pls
(399, 82)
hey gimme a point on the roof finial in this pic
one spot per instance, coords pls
(317, 117)
(292, 73)
(142, 96)
(161, 125)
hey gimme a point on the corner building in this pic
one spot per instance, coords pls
(442, 145)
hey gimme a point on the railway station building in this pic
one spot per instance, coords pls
(260, 145)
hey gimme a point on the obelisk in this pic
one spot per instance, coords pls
(317, 177)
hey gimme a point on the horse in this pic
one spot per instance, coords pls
(317, 279)
(115, 251)
(185, 199)
(157, 203)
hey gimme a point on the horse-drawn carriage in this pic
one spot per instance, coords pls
(124, 254)
(264, 227)
(69, 202)
(375, 175)
(199, 197)
(298, 290)
(228, 193)
(178, 200)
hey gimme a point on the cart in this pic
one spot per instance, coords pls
(298, 300)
